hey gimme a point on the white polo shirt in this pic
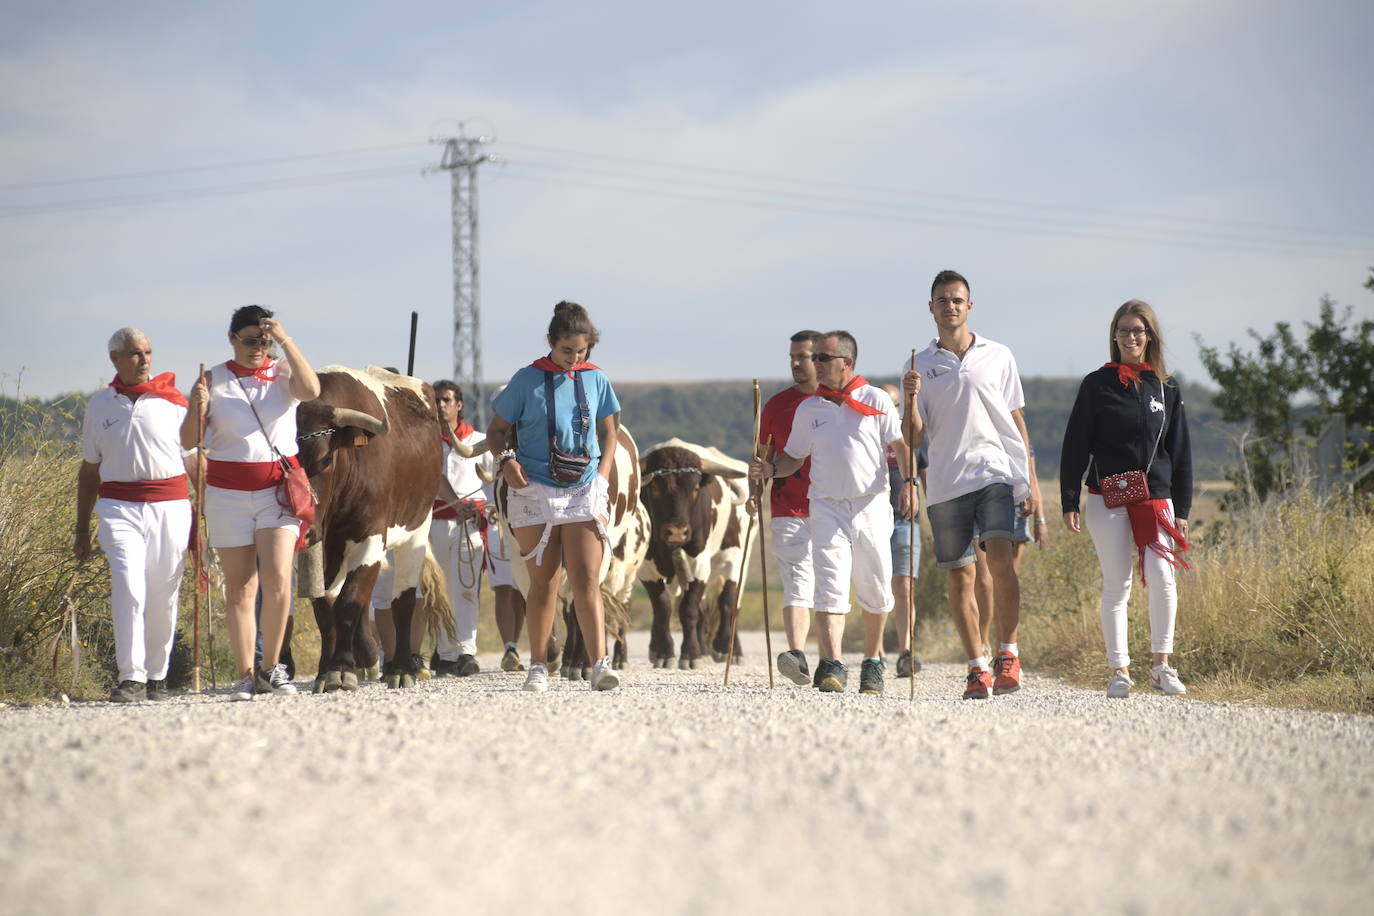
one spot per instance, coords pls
(848, 450)
(133, 440)
(461, 472)
(231, 431)
(972, 440)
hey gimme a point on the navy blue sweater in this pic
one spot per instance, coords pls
(1113, 429)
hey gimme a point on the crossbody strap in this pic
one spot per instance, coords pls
(285, 465)
(583, 411)
(1163, 422)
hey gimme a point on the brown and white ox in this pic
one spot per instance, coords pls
(618, 564)
(371, 446)
(696, 498)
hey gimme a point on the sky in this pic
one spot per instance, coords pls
(706, 179)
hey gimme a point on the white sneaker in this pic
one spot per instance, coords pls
(1119, 687)
(537, 681)
(604, 676)
(243, 688)
(1165, 680)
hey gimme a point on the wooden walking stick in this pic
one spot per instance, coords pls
(744, 565)
(911, 565)
(199, 547)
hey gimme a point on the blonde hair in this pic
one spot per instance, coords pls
(1154, 342)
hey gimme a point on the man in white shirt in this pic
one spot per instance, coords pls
(845, 429)
(134, 465)
(967, 401)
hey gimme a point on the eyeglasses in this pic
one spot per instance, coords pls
(825, 357)
(1132, 332)
(260, 342)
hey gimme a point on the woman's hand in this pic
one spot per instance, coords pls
(271, 327)
(1071, 522)
(1182, 525)
(514, 474)
(199, 396)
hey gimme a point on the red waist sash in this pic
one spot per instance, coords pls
(246, 475)
(446, 512)
(145, 491)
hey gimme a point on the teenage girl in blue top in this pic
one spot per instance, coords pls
(564, 416)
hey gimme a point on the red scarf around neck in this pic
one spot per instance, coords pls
(549, 365)
(1129, 372)
(460, 432)
(845, 399)
(161, 386)
(267, 371)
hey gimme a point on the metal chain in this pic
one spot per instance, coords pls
(663, 472)
(316, 433)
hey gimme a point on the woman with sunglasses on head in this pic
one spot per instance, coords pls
(1128, 433)
(248, 409)
(565, 416)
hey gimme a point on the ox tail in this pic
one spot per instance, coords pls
(617, 614)
(434, 607)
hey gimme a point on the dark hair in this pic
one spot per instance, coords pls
(948, 276)
(847, 342)
(812, 336)
(248, 316)
(448, 385)
(570, 319)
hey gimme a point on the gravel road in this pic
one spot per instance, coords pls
(675, 795)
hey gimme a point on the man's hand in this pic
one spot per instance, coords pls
(760, 469)
(911, 383)
(81, 546)
(907, 501)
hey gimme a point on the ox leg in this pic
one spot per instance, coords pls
(324, 619)
(689, 615)
(365, 650)
(348, 617)
(574, 650)
(400, 671)
(660, 637)
(725, 606)
(620, 656)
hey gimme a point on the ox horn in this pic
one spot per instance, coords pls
(467, 451)
(347, 416)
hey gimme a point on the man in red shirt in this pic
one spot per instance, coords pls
(790, 509)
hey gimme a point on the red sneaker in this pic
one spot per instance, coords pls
(978, 684)
(1008, 668)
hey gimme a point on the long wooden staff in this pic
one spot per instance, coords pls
(911, 563)
(748, 536)
(199, 545)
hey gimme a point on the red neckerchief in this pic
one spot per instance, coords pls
(549, 365)
(261, 372)
(844, 399)
(162, 386)
(1129, 372)
(1148, 518)
(459, 433)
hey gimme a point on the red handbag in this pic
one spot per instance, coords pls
(1124, 489)
(295, 494)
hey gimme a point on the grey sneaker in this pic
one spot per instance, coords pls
(511, 660)
(833, 675)
(604, 676)
(1119, 687)
(1165, 680)
(129, 692)
(242, 689)
(537, 681)
(907, 664)
(871, 676)
(157, 690)
(275, 680)
(466, 666)
(792, 665)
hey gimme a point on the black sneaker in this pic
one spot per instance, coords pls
(129, 692)
(466, 666)
(792, 665)
(833, 675)
(157, 690)
(871, 676)
(907, 664)
(446, 668)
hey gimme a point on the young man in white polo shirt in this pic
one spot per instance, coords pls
(845, 429)
(135, 466)
(967, 398)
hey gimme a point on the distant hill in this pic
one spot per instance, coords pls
(720, 413)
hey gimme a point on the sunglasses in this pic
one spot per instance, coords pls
(260, 342)
(825, 357)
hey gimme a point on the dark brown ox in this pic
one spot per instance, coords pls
(695, 497)
(371, 445)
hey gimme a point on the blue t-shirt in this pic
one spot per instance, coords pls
(521, 405)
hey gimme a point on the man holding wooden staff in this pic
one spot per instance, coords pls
(134, 464)
(845, 430)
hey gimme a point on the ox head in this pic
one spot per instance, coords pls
(322, 429)
(671, 489)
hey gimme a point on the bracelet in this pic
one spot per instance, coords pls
(1040, 521)
(284, 341)
(505, 456)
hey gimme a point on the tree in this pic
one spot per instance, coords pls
(1289, 388)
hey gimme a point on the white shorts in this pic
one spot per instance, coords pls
(539, 504)
(792, 548)
(851, 544)
(235, 516)
(498, 568)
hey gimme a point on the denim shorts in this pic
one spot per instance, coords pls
(1020, 532)
(990, 513)
(903, 532)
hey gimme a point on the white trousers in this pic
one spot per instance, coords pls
(146, 546)
(1116, 551)
(461, 560)
(850, 544)
(792, 550)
